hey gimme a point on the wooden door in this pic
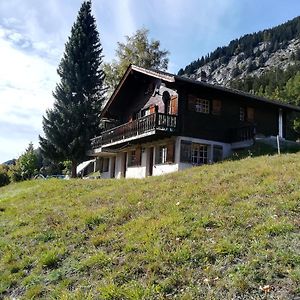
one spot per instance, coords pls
(150, 161)
(113, 167)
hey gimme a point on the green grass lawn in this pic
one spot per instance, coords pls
(223, 231)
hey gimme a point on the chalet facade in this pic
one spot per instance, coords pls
(158, 123)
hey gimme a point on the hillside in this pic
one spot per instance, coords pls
(223, 231)
(251, 55)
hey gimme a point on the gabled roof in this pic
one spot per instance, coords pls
(168, 77)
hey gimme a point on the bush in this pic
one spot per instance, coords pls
(4, 178)
(15, 173)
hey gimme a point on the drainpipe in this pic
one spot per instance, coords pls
(280, 123)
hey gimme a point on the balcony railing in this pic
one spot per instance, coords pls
(155, 121)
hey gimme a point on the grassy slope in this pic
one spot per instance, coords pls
(213, 232)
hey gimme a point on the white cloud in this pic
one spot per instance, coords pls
(26, 84)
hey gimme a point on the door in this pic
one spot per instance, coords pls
(150, 161)
(124, 167)
(113, 167)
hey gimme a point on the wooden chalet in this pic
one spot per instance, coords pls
(158, 123)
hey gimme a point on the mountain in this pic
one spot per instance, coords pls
(249, 56)
(225, 231)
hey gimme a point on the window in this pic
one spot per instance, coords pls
(165, 153)
(162, 154)
(216, 107)
(131, 158)
(242, 114)
(198, 105)
(217, 153)
(105, 164)
(202, 106)
(185, 151)
(199, 154)
(193, 153)
(134, 157)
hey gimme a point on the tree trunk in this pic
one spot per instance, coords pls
(74, 167)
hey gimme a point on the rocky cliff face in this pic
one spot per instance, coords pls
(239, 67)
(252, 54)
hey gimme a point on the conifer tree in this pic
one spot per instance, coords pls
(74, 119)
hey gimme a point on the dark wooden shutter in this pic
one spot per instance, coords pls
(170, 152)
(216, 106)
(191, 102)
(174, 105)
(250, 114)
(138, 156)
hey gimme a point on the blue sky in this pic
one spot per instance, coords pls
(33, 33)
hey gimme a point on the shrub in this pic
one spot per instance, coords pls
(4, 178)
(15, 174)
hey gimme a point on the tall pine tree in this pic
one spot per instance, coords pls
(74, 119)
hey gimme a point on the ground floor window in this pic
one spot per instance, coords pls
(104, 164)
(217, 153)
(199, 154)
(165, 153)
(193, 153)
(162, 154)
(131, 158)
(134, 157)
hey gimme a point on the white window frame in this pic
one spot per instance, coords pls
(199, 154)
(162, 152)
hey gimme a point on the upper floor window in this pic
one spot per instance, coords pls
(202, 106)
(198, 104)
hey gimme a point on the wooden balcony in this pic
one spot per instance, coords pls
(151, 124)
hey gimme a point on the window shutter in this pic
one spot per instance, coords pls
(138, 156)
(174, 105)
(250, 114)
(191, 102)
(216, 107)
(170, 152)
